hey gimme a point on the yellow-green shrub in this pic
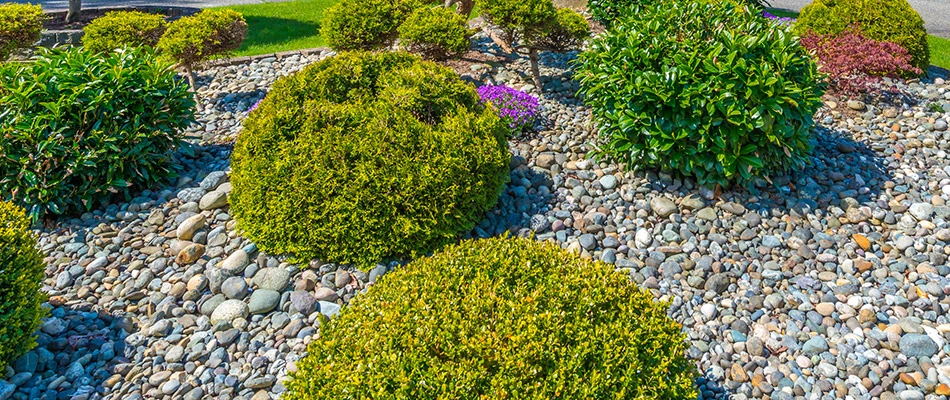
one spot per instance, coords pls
(367, 24)
(499, 319)
(193, 39)
(881, 20)
(21, 274)
(119, 29)
(363, 157)
(435, 33)
(20, 26)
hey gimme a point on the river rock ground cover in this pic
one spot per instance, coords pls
(829, 283)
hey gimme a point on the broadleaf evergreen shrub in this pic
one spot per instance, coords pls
(713, 91)
(499, 318)
(435, 33)
(855, 64)
(363, 157)
(882, 20)
(607, 11)
(119, 29)
(20, 26)
(80, 126)
(21, 276)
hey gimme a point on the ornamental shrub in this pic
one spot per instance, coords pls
(363, 157)
(119, 29)
(435, 33)
(882, 20)
(20, 296)
(367, 24)
(20, 26)
(713, 91)
(855, 64)
(499, 318)
(518, 109)
(197, 38)
(607, 11)
(80, 126)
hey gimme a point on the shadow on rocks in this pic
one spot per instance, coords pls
(521, 204)
(709, 389)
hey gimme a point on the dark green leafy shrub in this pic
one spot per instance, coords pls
(435, 33)
(363, 157)
(713, 91)
(21, 274)
(882, 20)
(20, 26)
(119, 29)
(499, 319)
(606, 11)
(209, 33)
(78, 126)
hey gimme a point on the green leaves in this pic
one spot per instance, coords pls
(211, 32)
(692, 87)
(20, 26)
(119, 29)
(21, 276)
(78, 126)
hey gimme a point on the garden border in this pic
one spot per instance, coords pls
(221, 62)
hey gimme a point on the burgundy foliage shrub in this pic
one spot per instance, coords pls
(856, 64)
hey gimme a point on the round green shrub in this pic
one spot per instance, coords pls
(119, 29)
(712, 91)
(519, 20)
(363, 157)
(435, 33)
(211, 32)
(882, 20)
(20, 26)
(367, 24)
(79, 126)
(20, 296)
(499, 318)
(568, 31)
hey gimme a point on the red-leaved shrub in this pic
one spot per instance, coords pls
(856, 64)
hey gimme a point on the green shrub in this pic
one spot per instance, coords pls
(20, 26)
(607, 11)
(882, 20)
(499, 319)
(711, 91)
(360, 25)
(119, 29)
(567, 32)
(23, 273)
(435, 33)
(193, 39)
(363, 157)
(79, 126)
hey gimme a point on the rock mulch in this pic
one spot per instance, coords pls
(829, 283)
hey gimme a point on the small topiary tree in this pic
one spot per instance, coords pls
(499, 319)
(197, 38)
(882, 20)
(79, 126)
(119, 29)
(712, 91)
(435, 33)
(531, 26)
(363, 157)
(20, 27)
(22, 275)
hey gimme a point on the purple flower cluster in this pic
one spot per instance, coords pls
(518, 108)
(777, 19)
(254, 107)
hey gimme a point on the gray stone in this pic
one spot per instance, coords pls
(236, 262)
(263, 301)
(229, 310)
(329, 309)
(213, 200)
(815, 345)
(918, 345)
(922, 211)
(588, 241)
(213, 180)
(303, 301)
(662, 206)
(235, 287)
(272, 279)
(191, 195)
(608, 182)
(54, 326)
(186, 230)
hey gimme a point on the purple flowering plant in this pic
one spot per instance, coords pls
(777, 19)
(518, 108)
(254, 107)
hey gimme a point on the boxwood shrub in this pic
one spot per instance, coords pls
(713, 91)
(435, 33)
(363, 157)
(882, 20)
(20, 26)
(367, 24)
(118, 29)
(499, 318)
(21, 274)
(79, 126)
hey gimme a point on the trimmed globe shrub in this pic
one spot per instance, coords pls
(882, 20)
(20, 296)
(713, 91)
(368, 24)
(607, 11)
(119, 29)
(363, 157)
(435, 33)
(20, 26)
(499, 319)
(79, 126)
(197, 38)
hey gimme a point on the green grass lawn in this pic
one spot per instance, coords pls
(939, 51)
(282, 26)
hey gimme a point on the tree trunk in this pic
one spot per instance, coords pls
(192, 79)
(535, 71)
(75, 6)
(465, 7)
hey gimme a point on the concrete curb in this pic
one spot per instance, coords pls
(277, 56)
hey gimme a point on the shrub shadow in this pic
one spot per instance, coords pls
(518, 202)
